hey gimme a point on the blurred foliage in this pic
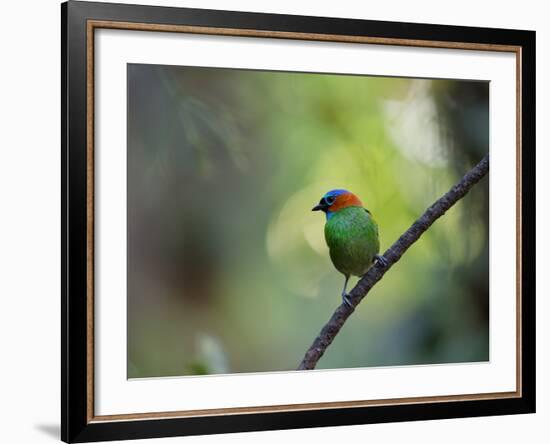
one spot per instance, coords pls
(227, 266)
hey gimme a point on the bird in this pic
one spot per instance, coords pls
(351, 234)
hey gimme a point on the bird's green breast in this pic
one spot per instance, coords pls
(352, 237)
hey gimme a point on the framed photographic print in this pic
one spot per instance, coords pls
(200, 292)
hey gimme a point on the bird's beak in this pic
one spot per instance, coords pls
(320, 207)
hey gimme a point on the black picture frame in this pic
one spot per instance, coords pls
(76, 423)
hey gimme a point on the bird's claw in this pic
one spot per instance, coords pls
(346, 298)
(378, 259)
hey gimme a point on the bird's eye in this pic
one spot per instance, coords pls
(329, 200)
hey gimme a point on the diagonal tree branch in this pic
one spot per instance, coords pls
(392, 255)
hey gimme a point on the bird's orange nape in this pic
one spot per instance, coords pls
(345, 200)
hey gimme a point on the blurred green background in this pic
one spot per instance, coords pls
(227, 265)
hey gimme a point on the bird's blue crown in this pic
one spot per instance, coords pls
(335, 193)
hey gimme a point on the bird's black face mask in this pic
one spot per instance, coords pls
(322, 206)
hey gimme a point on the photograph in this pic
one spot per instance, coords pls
(279, 221)
(261, 222)
(257, 199)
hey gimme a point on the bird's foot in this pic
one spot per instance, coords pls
(378, 259)
(346, 299)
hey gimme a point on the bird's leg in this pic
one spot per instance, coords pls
(378, 259)
(346, 296)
